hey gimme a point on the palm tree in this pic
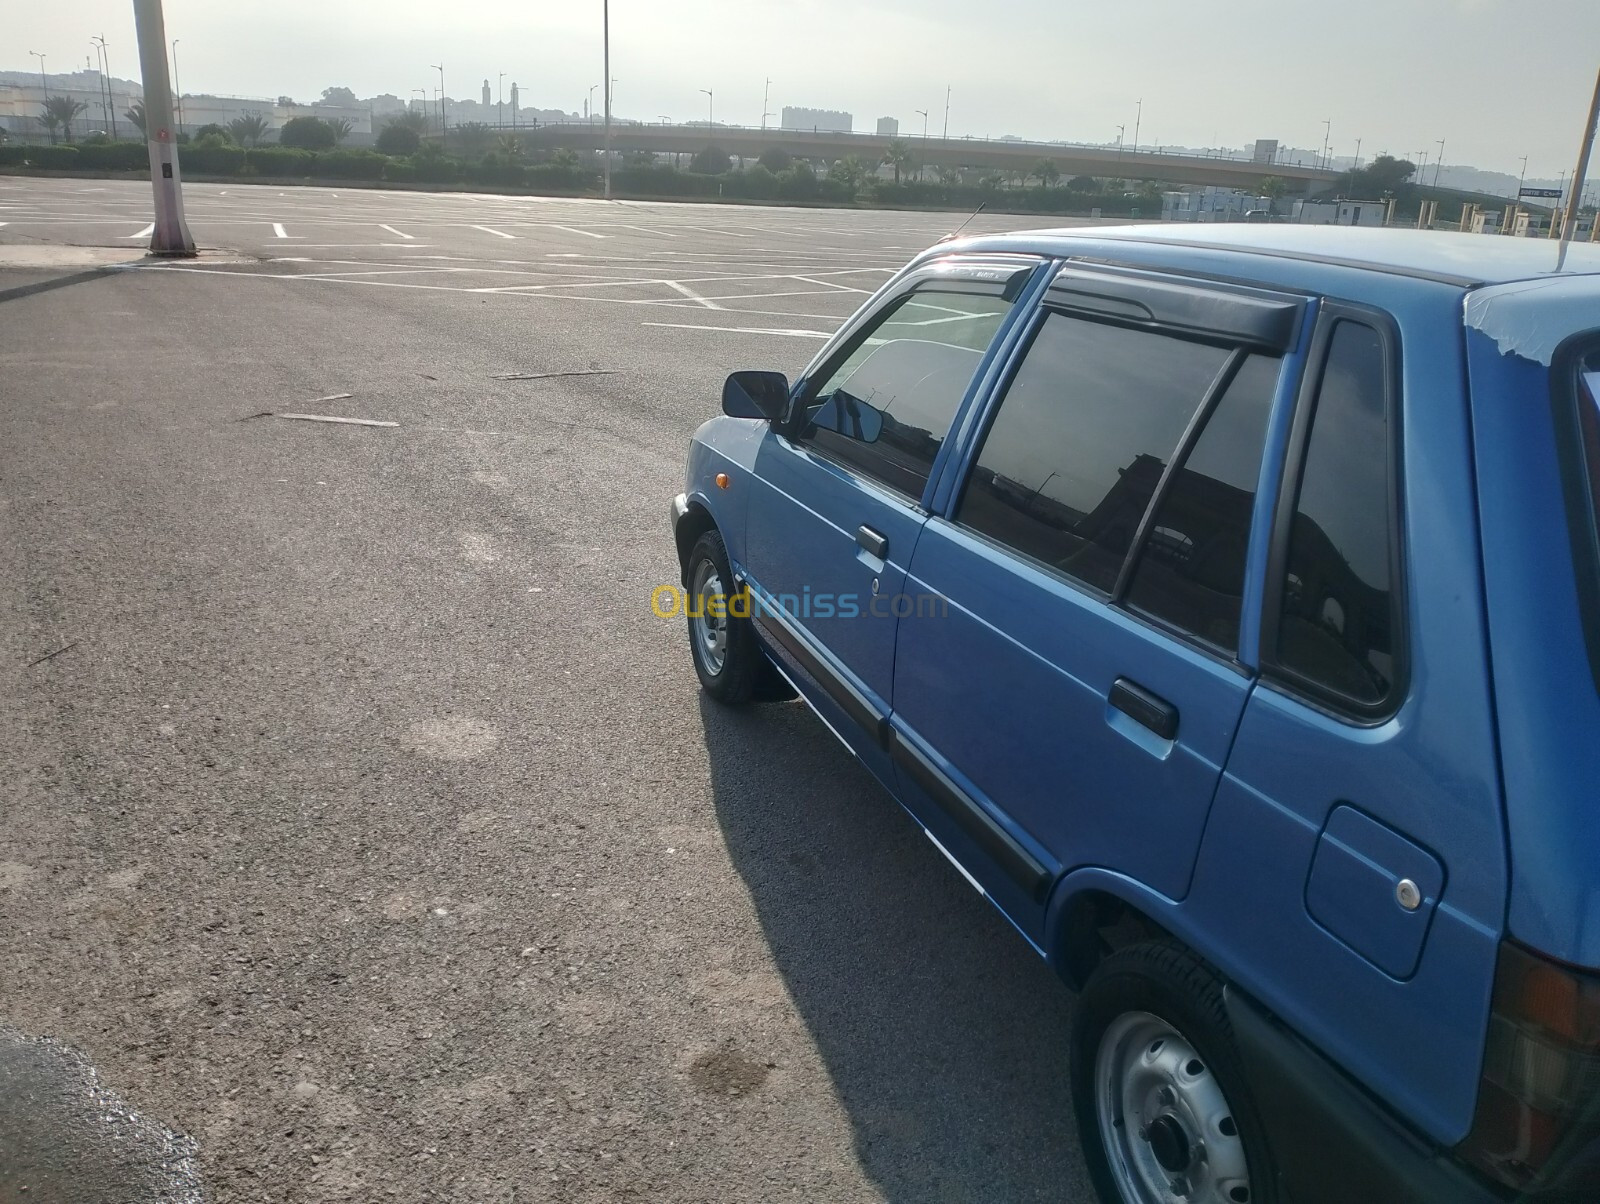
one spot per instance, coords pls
(135, 114)
(341, 129)
(897, 156)
(511, 147)
(60, 110)
(1047, 172)
(410, 119)
(249, 130)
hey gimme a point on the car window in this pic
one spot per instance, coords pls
(1190, 571)
(1336, 625)
(1080, 440)
(914, 366)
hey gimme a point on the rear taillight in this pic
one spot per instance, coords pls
(1537, 1127)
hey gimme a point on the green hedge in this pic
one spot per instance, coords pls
(114, 156)
(796, 183)
(213, 160)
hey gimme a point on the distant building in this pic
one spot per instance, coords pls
(1266, 150)
(889, 126)
(488, 94)
(829, 121)
(22, 101)
(1340, 213)
(1210, 205)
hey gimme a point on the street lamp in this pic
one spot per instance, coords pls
(100, 45)
(711, 101)
(177, 88)
(44, 85)
(947, 111)
(588, 104)
(924, 156)
(1138, 117)
(1120, 130)
(444, 122)
(1327, 134)
(1438, 165)
(500, 100)
(766, 95)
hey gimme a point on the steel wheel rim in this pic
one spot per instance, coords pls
(709, 632)
(1169, 1134)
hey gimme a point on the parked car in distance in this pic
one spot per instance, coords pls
(1225, 604)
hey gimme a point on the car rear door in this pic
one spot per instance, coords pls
(833, 517)
(1073, 696)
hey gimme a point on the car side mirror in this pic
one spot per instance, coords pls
(756, 395)
(848, 416)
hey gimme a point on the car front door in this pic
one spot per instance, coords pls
(1073, 699)
(837, 505)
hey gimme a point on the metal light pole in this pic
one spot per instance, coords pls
(924, 155)
(423, 93)
(1120, 130)
(177, 88)
(1327, 135)
(1138, 117)
(444, 123)
(588, 105)
(170, 233)
(605, 21)
(766, 95)
(1438, 166)
(1356, 166)
(711, 101)
(44, 87)
(99, 44)
(500, 100)
(1579, 176)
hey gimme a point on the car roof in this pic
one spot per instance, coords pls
(1467, 260)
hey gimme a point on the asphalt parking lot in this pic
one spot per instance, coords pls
(365, 832)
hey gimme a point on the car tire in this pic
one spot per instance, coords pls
(1162, 1104)
(727, 658)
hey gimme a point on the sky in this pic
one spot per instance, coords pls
(1496, 79)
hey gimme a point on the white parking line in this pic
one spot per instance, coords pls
(790, 334)
(692, 295)
(145, 233)
(487, 230)
(277, 228)
(397, 233)
(573, 230)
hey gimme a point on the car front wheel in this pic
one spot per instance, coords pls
(1163, 1109)
(727, 658)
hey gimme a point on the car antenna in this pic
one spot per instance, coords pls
(964, 224)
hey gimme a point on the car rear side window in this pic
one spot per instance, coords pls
(914, 365)
(1080, 441)
(1578, 410)
(1191, 569)
(1337, 625)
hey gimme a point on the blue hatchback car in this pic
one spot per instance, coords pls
(1225, 605)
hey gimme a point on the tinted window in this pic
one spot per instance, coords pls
(1080, 440)
(914, 366)
(1337, 624)
(1191, 569)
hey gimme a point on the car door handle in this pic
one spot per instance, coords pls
(1144, 708)
(875, 543)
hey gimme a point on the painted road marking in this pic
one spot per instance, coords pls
(278, 229)
(488, 230)
(791, 334)
(145, 233)
(691, 294)
(397, 233)
(573, 230)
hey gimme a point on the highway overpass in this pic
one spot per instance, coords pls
(980, 154)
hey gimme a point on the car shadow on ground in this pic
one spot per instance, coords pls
(945, 1035)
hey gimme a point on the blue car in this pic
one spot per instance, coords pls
(1224, 604)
